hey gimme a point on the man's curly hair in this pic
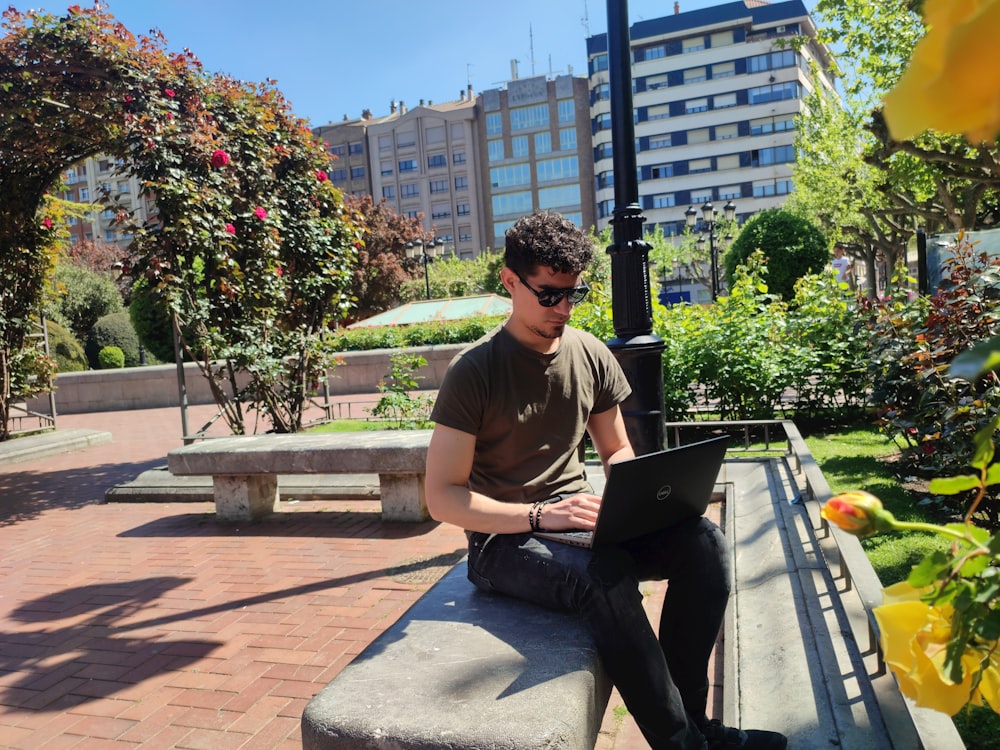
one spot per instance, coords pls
(545, 238)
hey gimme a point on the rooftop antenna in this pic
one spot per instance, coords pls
(531, 48)
(468, 73)
(585, 20)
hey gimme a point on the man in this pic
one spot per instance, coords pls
(510, 421)
(841, 264)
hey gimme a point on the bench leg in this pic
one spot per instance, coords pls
(403, 497)
(246, 497)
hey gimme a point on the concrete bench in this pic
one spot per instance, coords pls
(464, 669)
(245, 469)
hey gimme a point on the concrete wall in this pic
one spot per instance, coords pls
(156, 386)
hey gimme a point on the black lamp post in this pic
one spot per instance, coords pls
(427, 254)
(710, 219)
(636, 348)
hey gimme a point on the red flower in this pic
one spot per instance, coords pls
(74, 9)
(321, 175)
(260, 213)
(278, 271)
(129, 98)
(47, 222)
(219, 158)
(169, 92)
(230, 228)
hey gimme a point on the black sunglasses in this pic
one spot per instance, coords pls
(552, 297)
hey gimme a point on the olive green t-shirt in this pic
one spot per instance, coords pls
(529, 411)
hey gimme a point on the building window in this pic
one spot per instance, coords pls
(465, 236)
(694, 44)
(599, 63)
(775, 155)
(409, 190)
(535, 116)
(558, 169)
(774, 93)
(767, 125)
(457, 131)
(654, 53)
(355, 148)
(660, 141)
(461, 182)
(406, 139)
(725, 132)
(385, 143)
(567, 139)
(657, 82)
(777, 187)
(771, 61)
(724, 69)
(696, 105)
(543, 142)
(408, 165)
(557, 197)
(723, 101)
(519, 146)
(698, 136)
(512, 203)
(605, 180)
(664, 200)
(601, 92)
(339, 150)
(495, 150)
(695, 75)
(699, 165)
(338, 175)
(729, 161)
(494, 123)
(515, 174)
(602, 151)
(458, 157)
(412, 213)
(386, 168)
(705, 196)
(729, 192)
(662, 171)
(722, 38)
(389, 192)
(440, 211)
(659, 112)
(434, 135)
(603, 121)
(567, 110)
(437, 160)
(463, 208)
(357, 173)
(439, 186)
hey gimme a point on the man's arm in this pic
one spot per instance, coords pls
(607, 431)
(449, 499)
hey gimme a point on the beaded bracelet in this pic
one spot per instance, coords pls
(535, 515)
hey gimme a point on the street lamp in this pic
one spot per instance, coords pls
(427, 253)
(709, 220)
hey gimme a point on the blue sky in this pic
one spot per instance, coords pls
(337, 57)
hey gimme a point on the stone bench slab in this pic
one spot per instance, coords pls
(464, 669)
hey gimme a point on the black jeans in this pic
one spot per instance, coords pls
(663, 681)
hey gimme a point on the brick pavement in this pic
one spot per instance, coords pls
(153, 626)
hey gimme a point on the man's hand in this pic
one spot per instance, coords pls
(574, 512)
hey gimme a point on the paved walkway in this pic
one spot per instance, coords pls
(152, 626)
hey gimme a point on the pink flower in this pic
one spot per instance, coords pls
(278, 271)
(169, 92)
(260, 213)
(129, 98)
(321, 175)
(47, 222)
(219, 158)
(230, 228)
(74, 9)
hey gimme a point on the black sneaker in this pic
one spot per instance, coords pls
(720, 737)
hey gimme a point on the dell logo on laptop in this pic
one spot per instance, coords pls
(663, 493)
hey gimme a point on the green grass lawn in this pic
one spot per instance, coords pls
(860, 459)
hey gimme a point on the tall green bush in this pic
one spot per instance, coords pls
(150, 317)
(113, 330)
(81, 297)
(65, 349)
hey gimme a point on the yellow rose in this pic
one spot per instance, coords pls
(952, 83)
(914, 638)
(857, 512)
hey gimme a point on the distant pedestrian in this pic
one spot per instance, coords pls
(842, 264)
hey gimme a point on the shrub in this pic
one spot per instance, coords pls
(82, 296)
(792, 247)
(151, 320)
(418, 334)
(113, 330)
(111, 358)
(67, 351)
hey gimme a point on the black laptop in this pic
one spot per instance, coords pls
(651, 492)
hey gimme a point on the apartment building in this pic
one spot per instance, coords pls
(347, 143)
(716, 93)
(536, 148)
(93, 178)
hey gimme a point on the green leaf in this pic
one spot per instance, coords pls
(977, 361)
(928, 571)
(953, 485)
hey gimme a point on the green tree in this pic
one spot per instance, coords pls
(80, 297)
(791, 245)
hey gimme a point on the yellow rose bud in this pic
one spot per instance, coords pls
(858, 512)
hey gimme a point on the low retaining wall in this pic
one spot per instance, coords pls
(156, 386)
